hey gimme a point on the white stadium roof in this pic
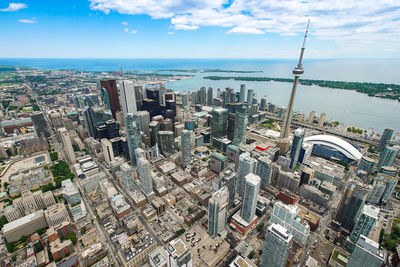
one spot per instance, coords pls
(336, 143)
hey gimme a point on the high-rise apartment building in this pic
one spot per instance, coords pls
(178, 254)
(366, 253)
(112, 91)
(186, 150)
(388, 156)
(385, 139)
(126, 172)
(249, 201)
(366, 164)
(263, 103)
(264, 170)
(217, 211)
(276, 246)
(166, 139)
(365, 222)
(219, 122)
(228, 178)
(66, 141)
(289, 217)
(242, 94)
(203, 96)
(247, 165)
(210, 96)
(296, 147)
(390, 183)
(239, 137)
(250, 93)
(146, 181)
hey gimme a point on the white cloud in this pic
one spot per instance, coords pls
(124, 23)
(14, 7)
(170, 33)
(185, 27)
(368, 24)
(130, 31)
(29, 21)
(245, 30)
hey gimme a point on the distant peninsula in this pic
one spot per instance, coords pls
(383, 90)
(231, 71)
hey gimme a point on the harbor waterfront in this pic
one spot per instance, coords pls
(348, 107)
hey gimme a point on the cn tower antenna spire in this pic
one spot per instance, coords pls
(304, 45)
(297, 72)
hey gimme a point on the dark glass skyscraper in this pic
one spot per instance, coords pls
(296, 147)
(219, 122)
(40, 124)
(113, 98)
(239, 137)
(385, 139)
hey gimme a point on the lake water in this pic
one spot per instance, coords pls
(348, 107)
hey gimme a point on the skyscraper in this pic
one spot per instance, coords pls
(351, 203)
(264, 166)
(249, 202)
(385, 139)
(365, 222)
(178, 254)
(388, 156)
(127, 176)
(263, 103)
(39, 122)
(154, 129)
(133, 135)
(186, 151)
(144, 117)
(146, 181)
(128, 97)
(217, 211)
(66, 142)
(203, 96)
(231, 126)
(288, 217)
(210, 96)
(247, 165)
(366, 252)
(390, 183)
(297, 72)
(366, 164)
(250, 93)
(107, 151)
(166, 144)
(242, 93)
(296, 147)
(227, 178)
(276, 246)
(239, 137)
(219, 122)
(112, 91)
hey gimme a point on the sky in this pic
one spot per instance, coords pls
(199, 28)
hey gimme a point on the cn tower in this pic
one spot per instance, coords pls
(297, 72)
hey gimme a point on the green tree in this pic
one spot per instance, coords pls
(11, 246)
(72, 237)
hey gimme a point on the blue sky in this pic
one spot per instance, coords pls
(199, 29)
